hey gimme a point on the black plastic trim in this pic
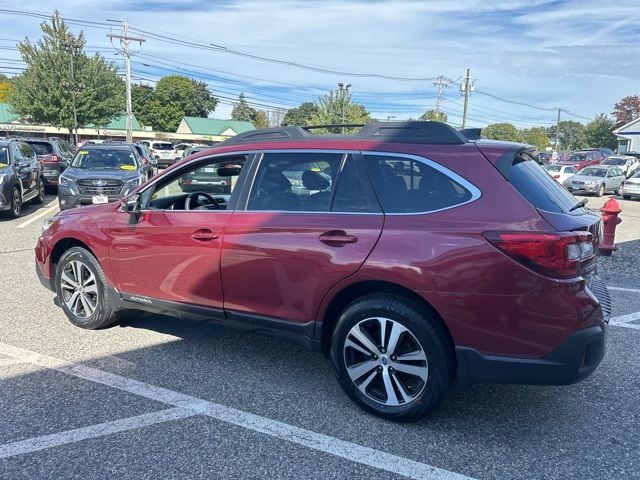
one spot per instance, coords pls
(574, 360)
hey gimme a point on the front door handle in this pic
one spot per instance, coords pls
(205, 235)
(337, 238)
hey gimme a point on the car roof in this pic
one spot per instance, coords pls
(107, 146)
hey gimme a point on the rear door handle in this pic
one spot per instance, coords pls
(337, 238)
(205, 235)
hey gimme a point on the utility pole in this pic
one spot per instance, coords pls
(555, 147)
(466, 89)
(125, 40)
(344, 91)
(441, 83)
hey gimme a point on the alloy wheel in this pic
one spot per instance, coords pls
(41, 190)
(385, 361)
(17, 202)
(79, 289)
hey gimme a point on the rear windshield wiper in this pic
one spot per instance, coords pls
(580, 204)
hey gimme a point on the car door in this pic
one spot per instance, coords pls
(24, 170)
(171, 253)
(310, 220)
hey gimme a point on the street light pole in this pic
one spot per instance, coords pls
(344, 91)
(72, 49)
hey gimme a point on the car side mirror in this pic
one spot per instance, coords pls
(131, 204)
(63, 164)
(229, 171)
(147, 167)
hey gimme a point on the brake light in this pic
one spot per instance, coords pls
(556, 176)
(555, 254)
(50, 159)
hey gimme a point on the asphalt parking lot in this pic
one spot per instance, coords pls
(156, 397)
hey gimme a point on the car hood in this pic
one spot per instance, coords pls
(107, 173)
(585, 178)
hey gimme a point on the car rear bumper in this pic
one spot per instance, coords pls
(573, 360)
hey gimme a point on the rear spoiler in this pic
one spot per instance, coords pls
(471, 133)
(505, 161)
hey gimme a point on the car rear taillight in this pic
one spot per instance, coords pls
(556, 176)
(50, 159)
(554, 254)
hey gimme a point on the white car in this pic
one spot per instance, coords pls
(631, 187)
(165, 153)
(628, 165)
(560, 172)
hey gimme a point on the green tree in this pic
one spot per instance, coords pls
(44, 92)
(243, 111)
(434, 116)
(571, 135)
(536, 136)
(142, 103)
(627, 110)
(501, 131)
(338, 107)
(599, 132)
(261, 119)
(302, 115)
(176, 96)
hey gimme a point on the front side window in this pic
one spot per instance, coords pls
(407, 185)
(204, 185)
(295, 182)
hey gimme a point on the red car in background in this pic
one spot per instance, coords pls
(409, 254)
(584, 158)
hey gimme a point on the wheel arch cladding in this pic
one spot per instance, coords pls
(62, 246)
(358, 290)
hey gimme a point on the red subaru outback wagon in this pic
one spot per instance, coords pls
(409, 254)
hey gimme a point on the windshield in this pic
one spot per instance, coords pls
(552, 168)
(117, 159)
(577, 157)
(594, 172)
(4, 157)
(614, 161)
(162, 146)
(41, 148)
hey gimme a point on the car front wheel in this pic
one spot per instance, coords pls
(16, 203)
(600, 191)
(39, 199)
(82, 290)
(392, 357)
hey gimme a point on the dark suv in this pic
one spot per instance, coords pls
(409, 254)
(100, 174)
(54, 154)
(20, 176)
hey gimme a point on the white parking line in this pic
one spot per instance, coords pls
(93, 431)
(282, 431)
(622, 289)
(10, 361)
(39, 215)
(622, 319)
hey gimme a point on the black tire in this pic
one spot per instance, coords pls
(16, 203)
(600, 191)
(626, 197)
(104, 313)
(432, 341)
(39, 199)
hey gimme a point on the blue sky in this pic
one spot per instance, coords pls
(582, 56)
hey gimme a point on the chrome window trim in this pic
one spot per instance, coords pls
(157, 178)
(475, 191)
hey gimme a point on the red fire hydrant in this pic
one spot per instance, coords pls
(610, 218)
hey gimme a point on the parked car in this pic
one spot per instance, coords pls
(631, 187)
(21, 178)
(584, 158)
(560, 172)
(446, 267)
(596, 180)
(181, 147)
(628, 165)
(194, 149)
(164, 153)
(54, 154)
(100, 174)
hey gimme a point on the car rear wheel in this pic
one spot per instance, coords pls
(391, 357)
(82, 290)
(39, 199)
(600, 191)
(16, 203)
(626, 197)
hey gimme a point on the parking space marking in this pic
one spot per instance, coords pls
(622, 289)
(100, 430)
(622, 319)
(39, 215)
(279, 430)
(10, 361)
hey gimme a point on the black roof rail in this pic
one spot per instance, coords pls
(471, 133)
(334, 125)
(391, 132)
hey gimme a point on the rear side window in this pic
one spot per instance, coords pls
(42, 148)
(538, 188)
(405, 185)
